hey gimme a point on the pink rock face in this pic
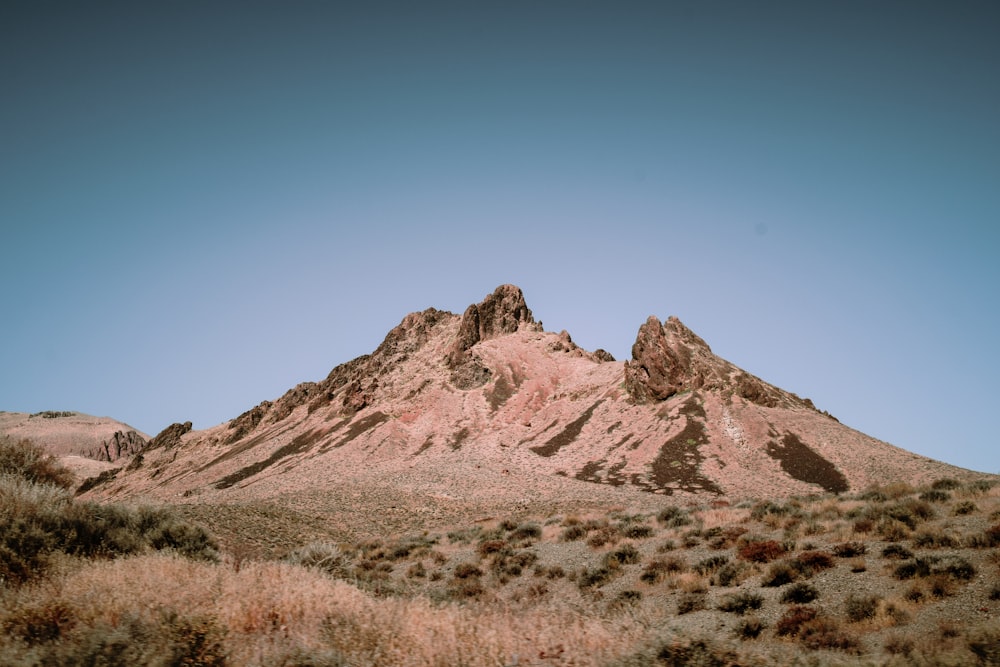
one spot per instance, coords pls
(489, 405)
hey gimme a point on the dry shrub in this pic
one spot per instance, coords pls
(800, 593)
(940, 586)
(690, 582)
(899, 645)
(732, 574)
(984, 643)
(741, 603)
(466, 570)
(723, 538)
(691, 601)
(849, 549)
(324, 556)
(659, 569)
(767, 511)
(810, 562)
(897, 552)
(673, 517)
(750, 628)
(487, 547)
(964, 508)
(526, 533)
(779, 574)
(710, 564)
(897, 490)
(722, 517)
(626, 554)
(510, 563)
(635, 531)
(935, 496)
(891, 530)
(863, 526)
(677, 651)
(791, 622)
(829, 508)
(604, 535)
(981, 487)
(815, 630)
(665, 546)
(26, 460)
(624, 600)
(596, 577)
(763, 551)
(861, 608)
(933, 538)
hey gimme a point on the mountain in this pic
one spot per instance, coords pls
(65, 433)
(487, 406)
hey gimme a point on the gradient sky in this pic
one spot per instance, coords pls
(205, 203)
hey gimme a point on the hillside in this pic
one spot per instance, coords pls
(487, 409)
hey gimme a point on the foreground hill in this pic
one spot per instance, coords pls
(487, 407)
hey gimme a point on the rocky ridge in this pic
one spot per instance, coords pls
(489, 396)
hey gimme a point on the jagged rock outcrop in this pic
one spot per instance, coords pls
(247, 422)
(170, 436)
(660, 367)
(601, 355)
(669, 358)
(120, 445)
(502, 312)
(402, 341)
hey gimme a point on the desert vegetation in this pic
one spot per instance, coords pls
(893, 575)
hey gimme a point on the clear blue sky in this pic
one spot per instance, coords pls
(205, 203)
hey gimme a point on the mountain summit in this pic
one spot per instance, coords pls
(490, 396)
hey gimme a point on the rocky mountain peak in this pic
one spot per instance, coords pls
(500, 313)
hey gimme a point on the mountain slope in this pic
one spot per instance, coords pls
(491, 403)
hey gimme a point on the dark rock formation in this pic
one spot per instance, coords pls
(601, 355)
(122, 444)
(170, 436)
(247, 422)
(502, 312)
(659, 368)
(669, 358)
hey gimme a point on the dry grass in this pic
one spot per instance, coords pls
(271, 610)
(510, 591)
